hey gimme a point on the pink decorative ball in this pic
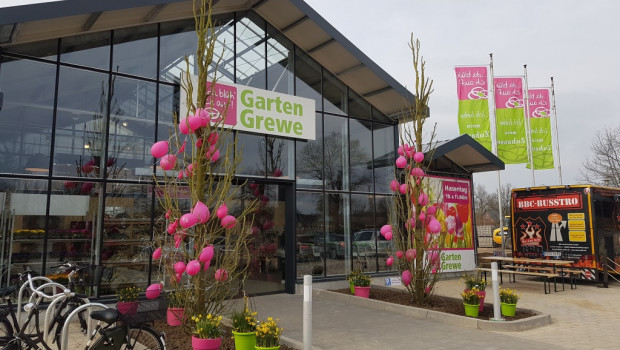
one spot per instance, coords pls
(207, 264)
(157, 254)
(401, 162)
(183, 126)
(406, 277)
(159, 149)
(400, 254)
(431, 210)
(411, 254)
(388, 235)
(188, 220)
(179, 267)
(418, 157)
(193, 267)
(222, 211)
(395, 185)
(206, 254)
(389, 261)
(168, 162)
(434, 226)
(385, 229)
(228, 221)
(153, 291)
(403, 188)
(202, 212)
(221, 275)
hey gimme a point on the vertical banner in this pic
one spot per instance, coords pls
(510, 120)
(540, 128)
(472, 91)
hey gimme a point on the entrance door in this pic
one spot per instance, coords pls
(268, 242)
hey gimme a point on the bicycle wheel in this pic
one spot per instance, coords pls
(6, 331)
(143, 337)
(60, 316)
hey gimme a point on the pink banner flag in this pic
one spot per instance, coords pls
(471, 83)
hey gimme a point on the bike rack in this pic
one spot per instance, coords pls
(64, 337)
(51, 307)
(21, 292)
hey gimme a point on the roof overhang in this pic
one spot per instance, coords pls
(294, 18)
(466, 153)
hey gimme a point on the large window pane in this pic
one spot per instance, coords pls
(26, 116)
(280, 60)
(382, 210)
(125, 251)
(251, 48)
(92, 50)
(337, 227)
(310, 229)
(310, 159)
(224, 50)
(47, 49)
(132, 129)
(364, 235)
(360, 146)
(307, 78)
(24, 226)
(334, 94)
(81, 123)
(178, 39)
(135, 51)
(358, 107)
(383, 138)
(336, 153)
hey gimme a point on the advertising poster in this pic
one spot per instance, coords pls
(540, 129)
(554, 225)
(510, 120)
(454, 199)
(472, 91)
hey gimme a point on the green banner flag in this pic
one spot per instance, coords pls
(540, 129)
(510, 121)
(472, 91)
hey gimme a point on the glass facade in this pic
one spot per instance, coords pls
(80, 113)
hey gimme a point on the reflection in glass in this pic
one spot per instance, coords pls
(310, 231)
(364, 246)
(81, 123)
(47, 49)
(336, 167)
(334, 94)
(358, 107)
(383, 138)
(307, 78)
(380, 117)
(309, 157)
(382, 208)
(251, 62)
(26, 116)
(280, 62)
(92, 50)
(252, 153)
(178, 40)
(132, 128)
(337, 215)
(360, 145)
(135, 51)
(280, 159)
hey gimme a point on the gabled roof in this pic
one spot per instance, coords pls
(465, 153)
(294, 18)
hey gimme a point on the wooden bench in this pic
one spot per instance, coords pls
(562, 271)
(546, 281)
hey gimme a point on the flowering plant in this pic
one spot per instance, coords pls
(471, 297)
(61, 278)
(176, 298)
(361, 280)
(244, 321)
(267, 333)
(351, 277)
(508, 296)
(474, 281)
(128, 294)
(207, 327)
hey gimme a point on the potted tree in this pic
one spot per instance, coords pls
(361, 283)
(268, 335)
(206, 333)
(244, 327)
(509, 299)
(471, 301)
(128, 300)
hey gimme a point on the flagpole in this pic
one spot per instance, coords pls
(494, 143)
(557, 137)
(528, 133)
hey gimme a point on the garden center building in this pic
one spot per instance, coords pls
(86, 87)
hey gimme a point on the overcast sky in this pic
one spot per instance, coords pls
(576, 42)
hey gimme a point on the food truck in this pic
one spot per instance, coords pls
(580, 223)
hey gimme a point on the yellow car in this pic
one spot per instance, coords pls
(497, 239)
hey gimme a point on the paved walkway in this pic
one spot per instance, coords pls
(585, 318)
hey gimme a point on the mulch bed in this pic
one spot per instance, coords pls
(179, 340)
(437, 303)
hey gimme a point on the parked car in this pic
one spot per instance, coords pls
(497, 239)
(367, 243)
(334, 243)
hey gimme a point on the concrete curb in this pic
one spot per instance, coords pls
(456, 320)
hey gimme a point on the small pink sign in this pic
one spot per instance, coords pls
(455, 192)
(508, 92)
(538, 100)
(224, 103)
(472, 83)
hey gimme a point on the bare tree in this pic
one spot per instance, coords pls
(602, 167)
(482, 204)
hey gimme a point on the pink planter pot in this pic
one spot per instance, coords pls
(206, 344)
(174, 316)
(127, 307)
(363, 292)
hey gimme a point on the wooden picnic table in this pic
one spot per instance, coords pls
(532, 267)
